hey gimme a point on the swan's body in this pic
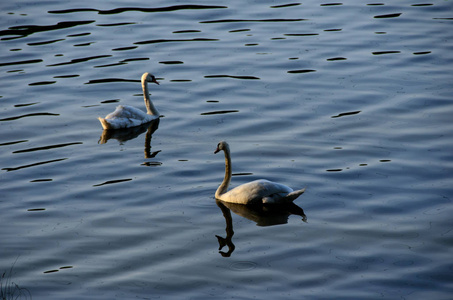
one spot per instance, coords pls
(126, 116)
(256, 192)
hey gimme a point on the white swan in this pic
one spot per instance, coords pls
(126, 116)
(256, 192)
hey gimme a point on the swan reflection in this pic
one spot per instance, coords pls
(262, 215)
(126, 134)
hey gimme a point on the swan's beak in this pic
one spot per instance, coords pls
(216, 150)
(155, 81)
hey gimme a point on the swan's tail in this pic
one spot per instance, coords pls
(104, 123)
(293, 195)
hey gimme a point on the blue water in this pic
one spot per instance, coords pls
(351, 100)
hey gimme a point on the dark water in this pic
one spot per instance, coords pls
(351, 100)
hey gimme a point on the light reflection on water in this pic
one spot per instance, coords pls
(350, 99)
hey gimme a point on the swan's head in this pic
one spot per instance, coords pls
(222, 146)
(148, 77)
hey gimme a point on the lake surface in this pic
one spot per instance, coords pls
(351, 100)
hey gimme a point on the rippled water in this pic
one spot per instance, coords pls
(351, 100)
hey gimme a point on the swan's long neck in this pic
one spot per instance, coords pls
(150, 109)
(226, 180)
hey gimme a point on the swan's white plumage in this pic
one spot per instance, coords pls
(255, 192)
(126, 116)
(258, 191)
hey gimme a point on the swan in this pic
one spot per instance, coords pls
(260, 191)
(126, 116)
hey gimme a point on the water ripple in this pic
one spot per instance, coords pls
(28, 115)
(385, 52)
(219, 112)
(26, 104)
(301, 71)
(388, 16)
(66, 76)
(171, 62)
(26, 30)
(134, 59)
(336, 58)
(231, 76)
(47, 147)
(285, 5)
(33, 165)
(113, 181)
(45, 42)
(124, 48)
(346, 114)
(13, 143)
(243, 266)
(79, 34)
(107, 80)
(115, 24)
(252, 20)
(331, 4)
(30, 61)
(239, 30)
(79, 60)
(300, 34)
(42, 83)
(174, 40)
(139, 9)
(186, 31)
(42, 180)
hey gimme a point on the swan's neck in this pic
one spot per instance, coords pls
(226, 180)
(150, 109)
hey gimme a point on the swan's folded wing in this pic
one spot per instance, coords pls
(128, 116)
(258, 191)
(127, 112)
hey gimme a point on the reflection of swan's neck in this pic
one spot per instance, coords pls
(150, 109)
(227, 241)
(226, 180)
